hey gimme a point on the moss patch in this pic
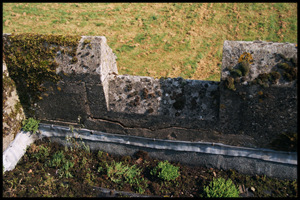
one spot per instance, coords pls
(30, 61)
(229, 83)
(290, 73)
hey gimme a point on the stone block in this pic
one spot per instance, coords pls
(63, 102)
(263, 102)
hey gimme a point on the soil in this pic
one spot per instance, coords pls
(33, 177)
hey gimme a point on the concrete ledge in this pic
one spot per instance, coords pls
(17, 149)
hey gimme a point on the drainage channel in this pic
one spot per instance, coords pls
(251, 161)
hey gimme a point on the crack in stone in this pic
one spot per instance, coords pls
(151, 129)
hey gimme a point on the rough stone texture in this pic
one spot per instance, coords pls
(83, 90)
(93, 94)
(265, 110)
(12, 113)
(177, 98)
(66, 101)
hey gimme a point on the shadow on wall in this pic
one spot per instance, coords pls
(255, 101)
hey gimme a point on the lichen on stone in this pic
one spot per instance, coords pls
(246, 57)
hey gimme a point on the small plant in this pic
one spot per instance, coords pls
(65, 169)
(75, 145)
(60, 162)
(221, 188)
(57, 159)
(43, 152)
(119, 172)
(165, 171)
(30, 125)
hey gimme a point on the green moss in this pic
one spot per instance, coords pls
(229, 83)
(236, 73)
(290, 73)
(274, 76)
(30, 61)
(87, 42)
(244, 67)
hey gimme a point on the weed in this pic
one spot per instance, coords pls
(43, 152)
(165, 171)
(65, 169)
(57, 159)
(221, 188)
(118, 172)
(30, 125)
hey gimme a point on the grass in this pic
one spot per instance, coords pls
(50, 170)
(160, 39)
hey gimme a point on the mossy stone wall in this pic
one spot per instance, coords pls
(77, 83)
(262, 103)
(12, 113)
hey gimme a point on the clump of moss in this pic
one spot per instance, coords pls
(290, 73)
(244, 67)
(264, 78)
(236, 73)
(229, 83)
(241, 70)
(87, 42)
(30, 61)
(274, 77)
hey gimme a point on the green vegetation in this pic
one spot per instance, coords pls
(165, 171)
(221, 188)
(119, 172)
(30, 62)
(30, 125)
(161, 39)
(48, 169)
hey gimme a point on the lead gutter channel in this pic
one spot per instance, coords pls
(18, 146)
(161, 144)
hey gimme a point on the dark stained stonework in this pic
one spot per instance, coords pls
(261, 105)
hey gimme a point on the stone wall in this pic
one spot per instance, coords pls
(263, 104)
(250, 106)
(12, 113)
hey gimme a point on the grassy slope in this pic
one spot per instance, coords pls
(160, 39)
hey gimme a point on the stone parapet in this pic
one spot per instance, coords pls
(254, 103)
